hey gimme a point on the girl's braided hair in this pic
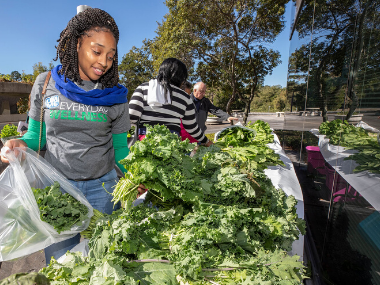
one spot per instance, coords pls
(90, 19)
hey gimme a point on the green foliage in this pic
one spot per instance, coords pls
(9, 130)
(62, 211)
(39, 68)
(23, 105)
(210, 136)
(264, 132)
(119, 249)
(346, 135)
(236, 136)
(5, 78)
(249, 147)
(272, 98)
(217, 236)
(203, 219)
(224, 38)
(27, 78)
(87, 233)
(31, 278)
(136, 67)
(340, 60)
(15, 75)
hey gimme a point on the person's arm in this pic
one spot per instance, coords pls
(191, 126)
(120, 145)
(216, 111)
(31, 137)
(136, 105)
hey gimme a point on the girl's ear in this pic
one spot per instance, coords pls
(78, 44)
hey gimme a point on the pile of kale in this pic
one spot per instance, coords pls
(208, 218)
(342, 133)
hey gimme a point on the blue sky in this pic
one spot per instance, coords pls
(30, 29)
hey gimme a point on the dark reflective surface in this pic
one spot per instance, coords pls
(334, 69)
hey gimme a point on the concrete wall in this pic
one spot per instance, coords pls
(15, 89)
(10, 93)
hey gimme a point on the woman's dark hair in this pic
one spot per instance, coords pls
(172, 71)
(90, 19)
(186, 85)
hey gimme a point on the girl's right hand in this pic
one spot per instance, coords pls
(11, 144)
(209, 143)
(141, 190)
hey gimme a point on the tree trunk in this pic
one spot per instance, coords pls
(356, 64)
(245, 114)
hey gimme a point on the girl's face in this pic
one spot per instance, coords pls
(96, 52)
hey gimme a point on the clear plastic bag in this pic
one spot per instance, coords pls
(21, 230)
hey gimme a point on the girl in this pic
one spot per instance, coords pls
(85, 112)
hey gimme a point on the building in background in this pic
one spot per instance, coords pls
(334, 61)
(334, 66)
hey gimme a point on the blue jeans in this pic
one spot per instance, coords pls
(98, 198)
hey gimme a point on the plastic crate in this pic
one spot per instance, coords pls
(315, 160)
(349, 195)
(334, 181)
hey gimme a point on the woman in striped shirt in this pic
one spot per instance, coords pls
(162, 101)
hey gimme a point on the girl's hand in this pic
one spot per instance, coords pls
(141, 189)
(209, 143)
(11, 144)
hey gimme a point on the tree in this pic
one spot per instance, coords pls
(15, 75)
(39, 68)
(136, 67)
(273, 96)
(23, 105)
(336, 50)
(27, 78)
(225, 38)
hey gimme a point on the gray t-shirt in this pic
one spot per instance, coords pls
(78, 136)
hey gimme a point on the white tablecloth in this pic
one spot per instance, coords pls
(366, 183)
(286, 179)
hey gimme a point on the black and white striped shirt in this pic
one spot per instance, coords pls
(182, 107)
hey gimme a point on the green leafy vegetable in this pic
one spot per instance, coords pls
(206, 218)
(9, 131)
(346, 135)
(62, 211)
(25, 279)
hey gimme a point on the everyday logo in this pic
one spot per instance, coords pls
(75, 111)
(52, 101)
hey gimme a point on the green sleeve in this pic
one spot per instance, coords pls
(31, 137)
(120, 144)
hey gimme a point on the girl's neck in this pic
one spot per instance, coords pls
(88, 85)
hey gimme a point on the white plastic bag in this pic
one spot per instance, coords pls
(21, 230)
(367, 127)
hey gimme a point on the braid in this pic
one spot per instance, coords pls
(78, 26)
